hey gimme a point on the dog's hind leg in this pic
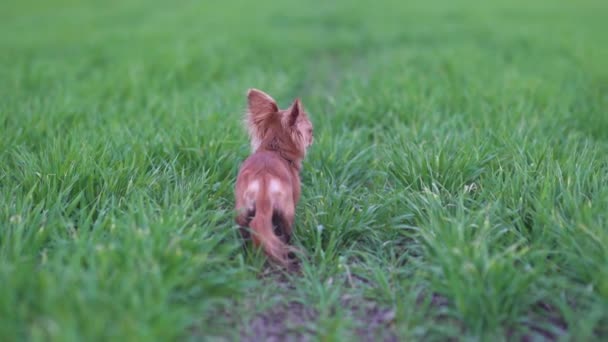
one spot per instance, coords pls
(243, 219)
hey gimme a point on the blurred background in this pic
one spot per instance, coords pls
(154, 58)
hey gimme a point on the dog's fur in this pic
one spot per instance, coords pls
(268, 184)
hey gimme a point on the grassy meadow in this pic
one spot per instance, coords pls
(457, 188)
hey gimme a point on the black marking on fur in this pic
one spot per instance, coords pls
(279, 225)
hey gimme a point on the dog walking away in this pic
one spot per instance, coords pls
(268, 183)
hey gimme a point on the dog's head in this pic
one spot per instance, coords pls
(266, 121)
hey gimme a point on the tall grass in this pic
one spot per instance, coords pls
(458, 181)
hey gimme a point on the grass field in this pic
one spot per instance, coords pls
(457, 188)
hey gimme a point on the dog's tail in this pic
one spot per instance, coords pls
(263, 233)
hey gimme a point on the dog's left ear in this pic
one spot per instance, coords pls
(260, 104)
(293, 113)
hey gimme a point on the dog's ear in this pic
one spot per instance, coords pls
(292, 114)
(260, 103)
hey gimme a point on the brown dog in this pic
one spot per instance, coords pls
(268, 184)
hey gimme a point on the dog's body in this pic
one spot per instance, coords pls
(268, 184)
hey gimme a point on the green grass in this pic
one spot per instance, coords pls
(458, 181)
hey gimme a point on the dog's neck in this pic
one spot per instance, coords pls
(291, 154)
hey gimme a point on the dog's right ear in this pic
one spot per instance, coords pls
(294, 112)
(260, 103)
